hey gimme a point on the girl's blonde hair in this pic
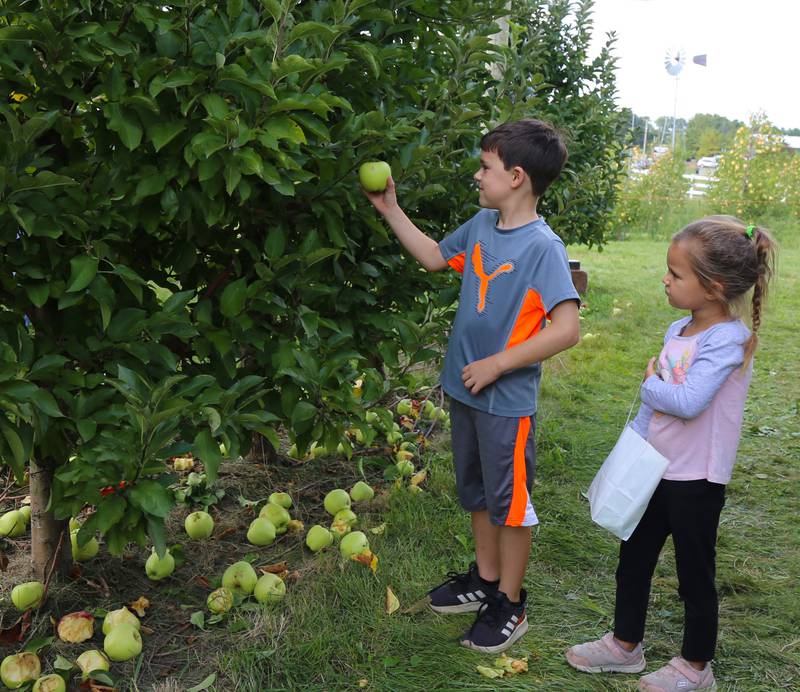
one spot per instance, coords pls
(729, 254)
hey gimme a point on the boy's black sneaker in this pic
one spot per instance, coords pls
(498, 625)
(462, 593)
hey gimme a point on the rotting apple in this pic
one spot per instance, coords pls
(220, 600)
(50, 683)
(18, 669)
(76, 627)
(90, 661)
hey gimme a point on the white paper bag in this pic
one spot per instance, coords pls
(623, 486)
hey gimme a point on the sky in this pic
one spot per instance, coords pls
(753, 51)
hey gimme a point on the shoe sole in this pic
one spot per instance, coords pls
(470, 607)
(713, 688)
(611, 668)
(515, 635)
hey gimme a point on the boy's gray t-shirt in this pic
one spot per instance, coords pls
(511, 280)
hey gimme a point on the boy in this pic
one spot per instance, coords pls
(515, 274)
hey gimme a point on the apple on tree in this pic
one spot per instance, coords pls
(374, 175)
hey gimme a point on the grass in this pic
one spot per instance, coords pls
(333, 631)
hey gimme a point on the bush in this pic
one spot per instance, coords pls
(758, 176)
(189, 256)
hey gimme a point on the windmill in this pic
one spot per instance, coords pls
(674, 60)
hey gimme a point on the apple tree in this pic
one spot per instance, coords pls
(187, 257)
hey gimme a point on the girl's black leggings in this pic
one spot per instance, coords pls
(689, 510)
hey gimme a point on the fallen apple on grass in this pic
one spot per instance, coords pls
(12, 524)
(199, 525)
(361, 492)
(220, 600)
(261, 531)
(90, 661)
(374, 175)
(282, 499)
(157, 567)
(277, 515)
(240, 578)
(27, 595)
(25, 511)
(353, 545)
(50, 683)
(85, 552)
(121, 616)
(336, 500)
(318, 538)
(76, 627)
(123, 643)
(270, 588)
(19, 669)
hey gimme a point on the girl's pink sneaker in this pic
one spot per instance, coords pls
(677, 676)
(604, 655)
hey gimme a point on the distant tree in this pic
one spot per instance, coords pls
(701, 123)
(792, 131)
(711, 142)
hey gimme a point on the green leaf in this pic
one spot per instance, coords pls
(109, 512)
(83, 269)
(215, 106)
(46, 403)
(161, 134)
(303, 416)
(125, 124)
(208, 451)
(152, 498)
(18, 458)
(204, 684)
(233, 298)
(182, 76)
(38, 293)
(38, 643)
(46, 364)
(198, 619)
(151, 185)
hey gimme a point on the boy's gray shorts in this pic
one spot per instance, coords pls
(495, 460)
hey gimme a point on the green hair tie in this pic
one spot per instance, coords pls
(749, 231)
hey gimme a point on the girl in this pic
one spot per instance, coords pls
(693, 399)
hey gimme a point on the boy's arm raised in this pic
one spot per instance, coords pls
(424, 249)
(562, 333)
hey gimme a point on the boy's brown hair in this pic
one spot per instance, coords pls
(533, 145)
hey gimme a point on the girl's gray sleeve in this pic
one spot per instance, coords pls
(641, 423)
(716, 358)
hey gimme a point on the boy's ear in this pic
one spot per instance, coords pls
(518, 176)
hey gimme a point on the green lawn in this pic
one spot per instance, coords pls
(332, 631)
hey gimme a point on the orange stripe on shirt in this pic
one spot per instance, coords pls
(519, 495)
(457, 262)
(529, 319)
(483, 278)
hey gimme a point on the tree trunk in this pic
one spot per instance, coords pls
(49, 536)
(262, 450)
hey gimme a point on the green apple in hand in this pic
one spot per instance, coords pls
(374, 175)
